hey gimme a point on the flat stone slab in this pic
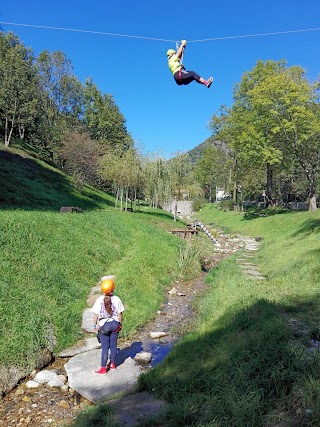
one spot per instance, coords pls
(131, 410)
(246, 265)
(98, 388)
(87, 320)
(86, 345)
(254, 273)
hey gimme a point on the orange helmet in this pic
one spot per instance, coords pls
(107, 286)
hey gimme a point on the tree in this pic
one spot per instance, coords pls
(123, 170)
(273, 123)
(180, 173)
(103, 119)
(291, 104)
(60, 99)
(212, 169)
(17, 87)
(79, 156)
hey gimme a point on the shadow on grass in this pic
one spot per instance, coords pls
(239, 375)
(308, 227)
(26, 184)
(253, 213)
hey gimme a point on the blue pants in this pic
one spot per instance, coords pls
(108, 340)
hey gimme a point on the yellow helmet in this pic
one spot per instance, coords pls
(107, 286)
(170, 52)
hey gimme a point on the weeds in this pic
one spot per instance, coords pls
(191, 257)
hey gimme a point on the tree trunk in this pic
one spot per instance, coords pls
(210, 194)
(175, 209)
(313, 203)
(121, 198)
(268, 200)
(117, 198)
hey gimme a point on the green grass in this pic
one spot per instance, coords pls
(29, 183)
(50, 261)
(246, 362)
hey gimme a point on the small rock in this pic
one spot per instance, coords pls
(180, 294)
(63, 404)
(45, 376)
(19, 391)
(158, 334)
(55, 383)
(33, 373)
(62, 378)
(143, 357)
(32, 384)
(26, 399)
(173, 291)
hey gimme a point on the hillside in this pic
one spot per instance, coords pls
(196, 153)
(28, 182)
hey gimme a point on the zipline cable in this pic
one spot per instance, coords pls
(86, 31)
(158, 39)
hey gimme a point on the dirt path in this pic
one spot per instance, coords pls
(53, 407)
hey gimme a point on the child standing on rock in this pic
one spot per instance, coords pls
(107, 321)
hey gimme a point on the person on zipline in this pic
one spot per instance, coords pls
(180, 74)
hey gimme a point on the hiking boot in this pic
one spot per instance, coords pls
(101, 371)
(209, 82)
(112, 366)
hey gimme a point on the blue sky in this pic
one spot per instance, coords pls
(162, 116)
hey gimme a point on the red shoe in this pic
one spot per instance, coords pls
(112, 366)
(101, 371)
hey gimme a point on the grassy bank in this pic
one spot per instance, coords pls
(248, 360)
(50, 261)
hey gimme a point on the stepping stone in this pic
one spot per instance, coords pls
(87, 320)
(131, 410)
(86, 345)
(98, 388)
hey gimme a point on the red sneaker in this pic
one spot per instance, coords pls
(101, 371)
(112, 366)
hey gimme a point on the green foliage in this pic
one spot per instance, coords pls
(41, 100)
(103, 119)
(18, 87)
(212, 169)
(273, 126)
(191, 257)
(198, 203)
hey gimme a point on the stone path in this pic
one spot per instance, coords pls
(250, 245)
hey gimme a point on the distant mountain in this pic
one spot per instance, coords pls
(196, 153)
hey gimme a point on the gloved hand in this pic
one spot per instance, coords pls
(184, 43)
